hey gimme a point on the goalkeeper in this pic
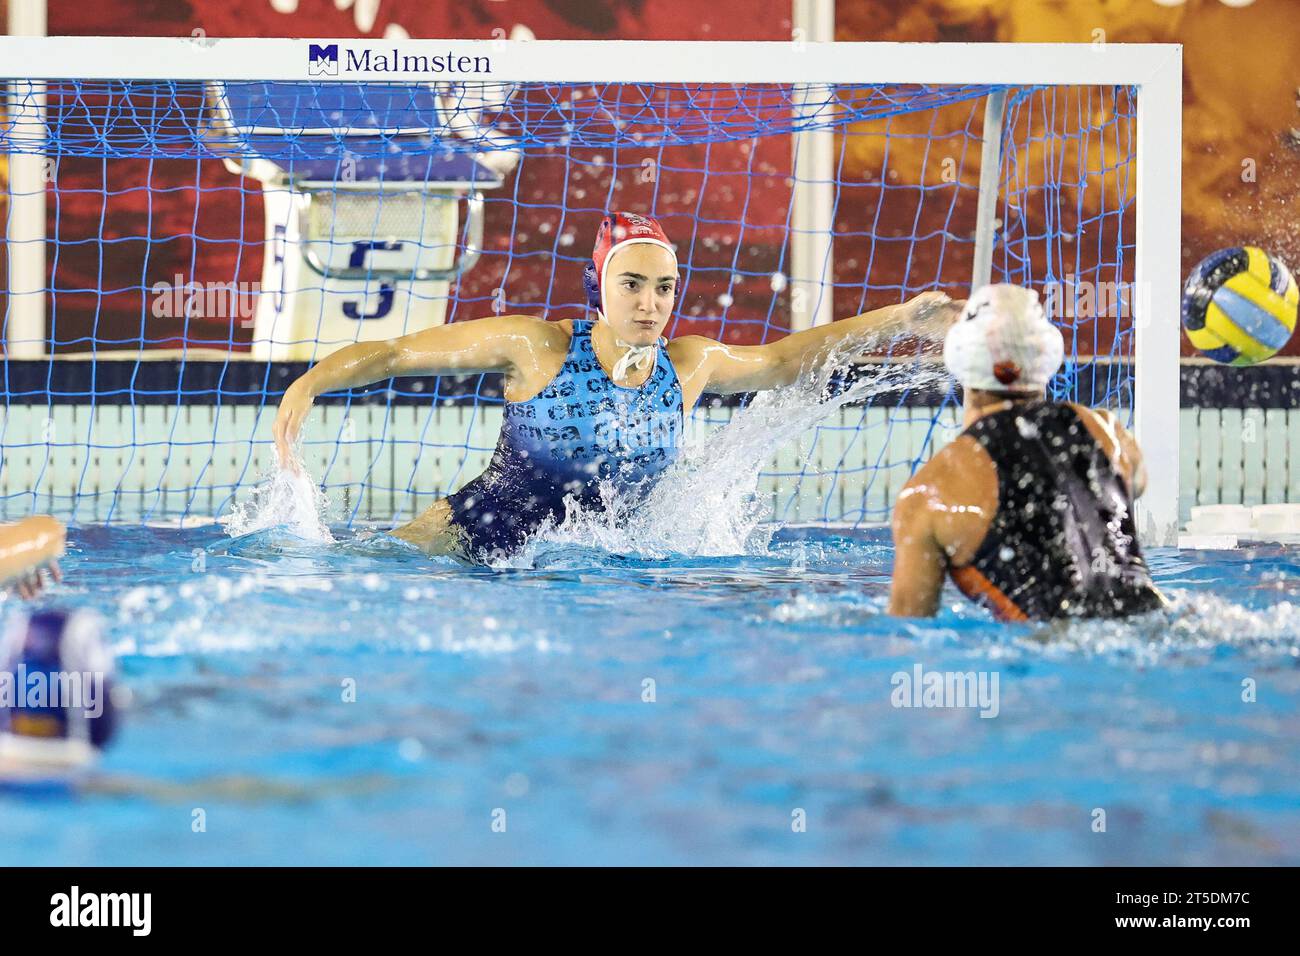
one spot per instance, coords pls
(588, 404)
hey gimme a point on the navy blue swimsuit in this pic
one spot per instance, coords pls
(578, 433)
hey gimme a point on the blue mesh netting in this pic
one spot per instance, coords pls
(168, 203)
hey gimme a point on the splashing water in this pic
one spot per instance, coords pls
(707, 503)
(1197, 626)
(288, 500)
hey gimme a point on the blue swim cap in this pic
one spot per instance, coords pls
(56, 689)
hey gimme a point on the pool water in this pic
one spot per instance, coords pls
(596, 709)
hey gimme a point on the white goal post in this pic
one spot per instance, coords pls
(1154, 69)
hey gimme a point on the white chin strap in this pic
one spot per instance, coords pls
(636, 357)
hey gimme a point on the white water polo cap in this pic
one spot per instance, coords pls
(1003, 342)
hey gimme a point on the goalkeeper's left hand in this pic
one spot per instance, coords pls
(930, 315)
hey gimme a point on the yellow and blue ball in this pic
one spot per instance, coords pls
(1239, 306)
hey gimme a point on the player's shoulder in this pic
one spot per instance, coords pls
(692, 344)
(1116, 442)
(958, 482)
(957, 455)
(1105, 426)
(949, 469)
(529, 322)
(1103, 415)
(689, 351)
(536, 329)
(914, 505)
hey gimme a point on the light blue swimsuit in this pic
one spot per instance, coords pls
(580, 430)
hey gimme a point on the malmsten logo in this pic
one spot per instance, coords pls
(324, 59)
(132, 910)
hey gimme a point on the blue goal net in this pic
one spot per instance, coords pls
(179, 252)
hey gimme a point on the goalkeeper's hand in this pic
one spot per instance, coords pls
(287, 429)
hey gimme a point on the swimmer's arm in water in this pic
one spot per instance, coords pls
(27, 548)
(748, 368)
(919, 564)
(502, 343)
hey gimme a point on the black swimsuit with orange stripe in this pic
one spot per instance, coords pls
(1062, 543)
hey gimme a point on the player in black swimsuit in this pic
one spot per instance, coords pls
(1030, 510)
